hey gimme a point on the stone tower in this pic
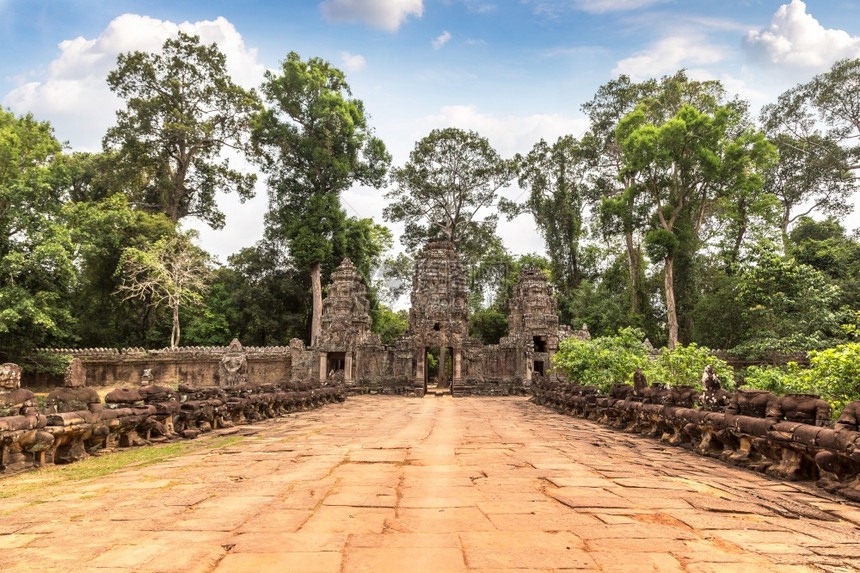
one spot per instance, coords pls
(345, 321)
(533, 318)
(439, 317)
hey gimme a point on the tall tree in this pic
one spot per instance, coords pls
(172, 272)
(683, 166)
(182, 111)
(36, 254)
(557, 179)
(815, 126)
(451, 177)
(314, 142)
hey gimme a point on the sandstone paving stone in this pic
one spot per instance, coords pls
(392, 540)
(462, 484)
(338, 519)
(281, 542)
(616, 562)
(441, 520)
(128, 557)
(362, 496)
(294, 562)
(373, 560)
(541, 550)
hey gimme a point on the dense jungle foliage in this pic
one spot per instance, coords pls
(678, 216)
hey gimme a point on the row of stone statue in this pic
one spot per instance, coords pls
(790, 437)
(74, 423)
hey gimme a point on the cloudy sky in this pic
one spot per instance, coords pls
(515, 71)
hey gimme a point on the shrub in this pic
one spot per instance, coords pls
(685, 365)
(602, 361)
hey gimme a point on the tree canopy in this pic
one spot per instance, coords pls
(182, 111)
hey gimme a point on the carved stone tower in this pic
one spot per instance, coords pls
(345, 321)
(533, 318)
(439, 317)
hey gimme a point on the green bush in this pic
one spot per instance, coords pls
(685, 365)
(602, 361)
(790, 379)
(833, 374)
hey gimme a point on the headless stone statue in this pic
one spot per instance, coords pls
(74, 396)
(804, 408)
(714, 397)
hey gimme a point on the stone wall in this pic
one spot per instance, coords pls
(197, 366)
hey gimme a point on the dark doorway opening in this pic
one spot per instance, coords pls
(335, 361)
(538, 367)
(438, 367)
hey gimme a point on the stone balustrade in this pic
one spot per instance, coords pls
(788, 437)
(75, 423)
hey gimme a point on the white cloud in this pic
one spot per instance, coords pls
(603, 6)
(353, 62)
(796, 39)
(384, 14)
(73, 95)
(509, 134)
(669, 55)
(441, 40)
(553, 8)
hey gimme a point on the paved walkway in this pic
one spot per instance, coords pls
(439, 484)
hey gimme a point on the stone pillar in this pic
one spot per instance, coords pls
(419, 368)
(458, 361)
(323, 373)
(347, 367)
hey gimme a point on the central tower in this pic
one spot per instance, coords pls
(439, 317)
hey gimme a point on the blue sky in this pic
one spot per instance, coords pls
(516, 71)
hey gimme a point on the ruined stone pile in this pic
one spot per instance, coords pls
(789, 437)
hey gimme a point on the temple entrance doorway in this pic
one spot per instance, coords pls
(438, 368)
(335, 361)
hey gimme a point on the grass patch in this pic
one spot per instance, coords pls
(95, 467)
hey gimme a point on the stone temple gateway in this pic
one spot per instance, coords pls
(439, 327)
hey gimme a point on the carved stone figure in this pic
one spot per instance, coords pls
(714, 398)
(803, 408)
(234, 365)
(74, 396)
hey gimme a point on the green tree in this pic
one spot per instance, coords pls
(452, 179)
(619, 215)
(36, 253)
(172, 271)
(182, 111)
(488, 325)
(557, 179)
(790, 306)
(390, 325)
(101, 231)
(815, 126)
(825, 246)
(314, 142)
(270, 295)
(684, 366)
(683, 166)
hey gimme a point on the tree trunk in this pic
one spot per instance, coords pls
(316, 287)
(174, 335)
(671, 313)
(633, 261)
